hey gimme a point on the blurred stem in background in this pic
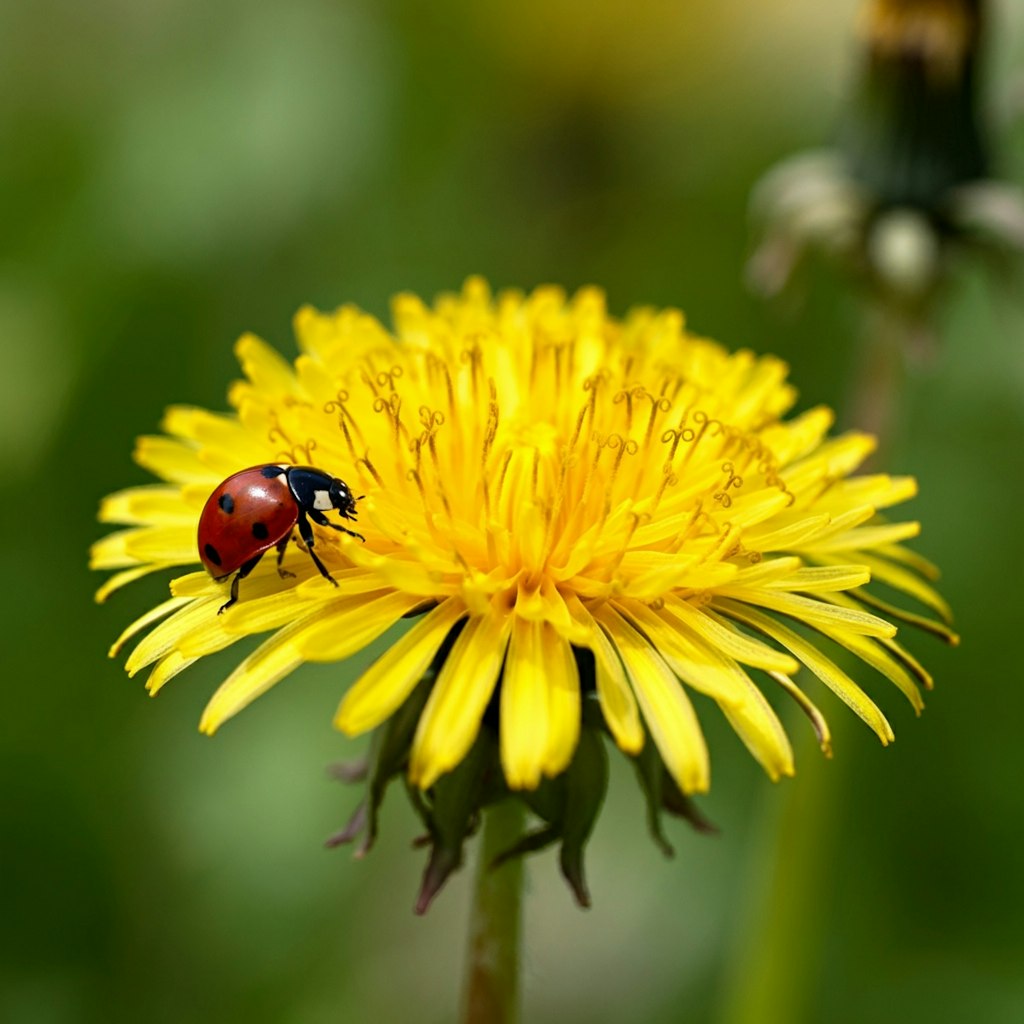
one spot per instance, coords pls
(898, 203)
(491, 994)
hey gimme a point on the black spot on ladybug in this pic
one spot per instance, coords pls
(212, 554)
(260, 531)
(270, 472)
(227, 503)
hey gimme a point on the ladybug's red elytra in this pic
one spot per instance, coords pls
(257, 508)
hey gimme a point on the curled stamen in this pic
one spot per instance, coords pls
(431, 418)
(668, 480)
(337, 404)
(369, 382)
(734, 479)
(365, 463)
(277, 432)
(306, 449)
(506, 459)
(414, 476)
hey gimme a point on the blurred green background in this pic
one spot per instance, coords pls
(173, 173)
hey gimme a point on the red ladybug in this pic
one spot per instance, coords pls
(257, 508)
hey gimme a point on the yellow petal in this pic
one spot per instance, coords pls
(871, 652)
(174, 461)
(868, 537)
(762, 733)
(172, 545)
(111, 552)
(819, 614)
(830, 674)
(207, 429)
(121, 579)
(770, 537)
(822, 579)
(152, 504)
(922, 622)
(267, 371)
(879, 490)
(802, 434)
(618, 705)
(191, 614)
(153, 615)
(165, 670)
(705, 668)
(451, 718)
(808, 707)
(729, 640)
(350, 623)
(382, 688)
(268, 664)
(666, 708)
(901, 579)
(709, 673)
(563, 684)
(524, 706)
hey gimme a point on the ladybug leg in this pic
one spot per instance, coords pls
(246, 568)
(306, 533)
(281, 545)
(321, 520)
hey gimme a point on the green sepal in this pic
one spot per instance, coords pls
(662, 794)
(569, 805)
(650, 773)
(451, 812)
(387, 758)
(586, 785)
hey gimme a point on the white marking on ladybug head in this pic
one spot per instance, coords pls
(322, 501)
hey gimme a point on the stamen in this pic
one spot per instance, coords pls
(490, 429)
(733, 480)
(721, 549)
(634, 519)
(387, 378)
(621, 447)
(626, 395)
(669, 479)
(473, 357)
(506, 459)
(439, 475)
(345, 418)
(657, 405)
(365, 463)
(691, 529)
(277, 431)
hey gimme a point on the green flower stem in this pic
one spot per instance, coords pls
(491, 994)
(776, 964)
(773, 970)
(892, 344)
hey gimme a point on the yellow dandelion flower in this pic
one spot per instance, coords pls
(539, 480)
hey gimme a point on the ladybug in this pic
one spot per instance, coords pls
(256, 509)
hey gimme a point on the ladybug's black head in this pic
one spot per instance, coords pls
(341, 498)
(315, 489)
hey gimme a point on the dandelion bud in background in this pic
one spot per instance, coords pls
(908, 188)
